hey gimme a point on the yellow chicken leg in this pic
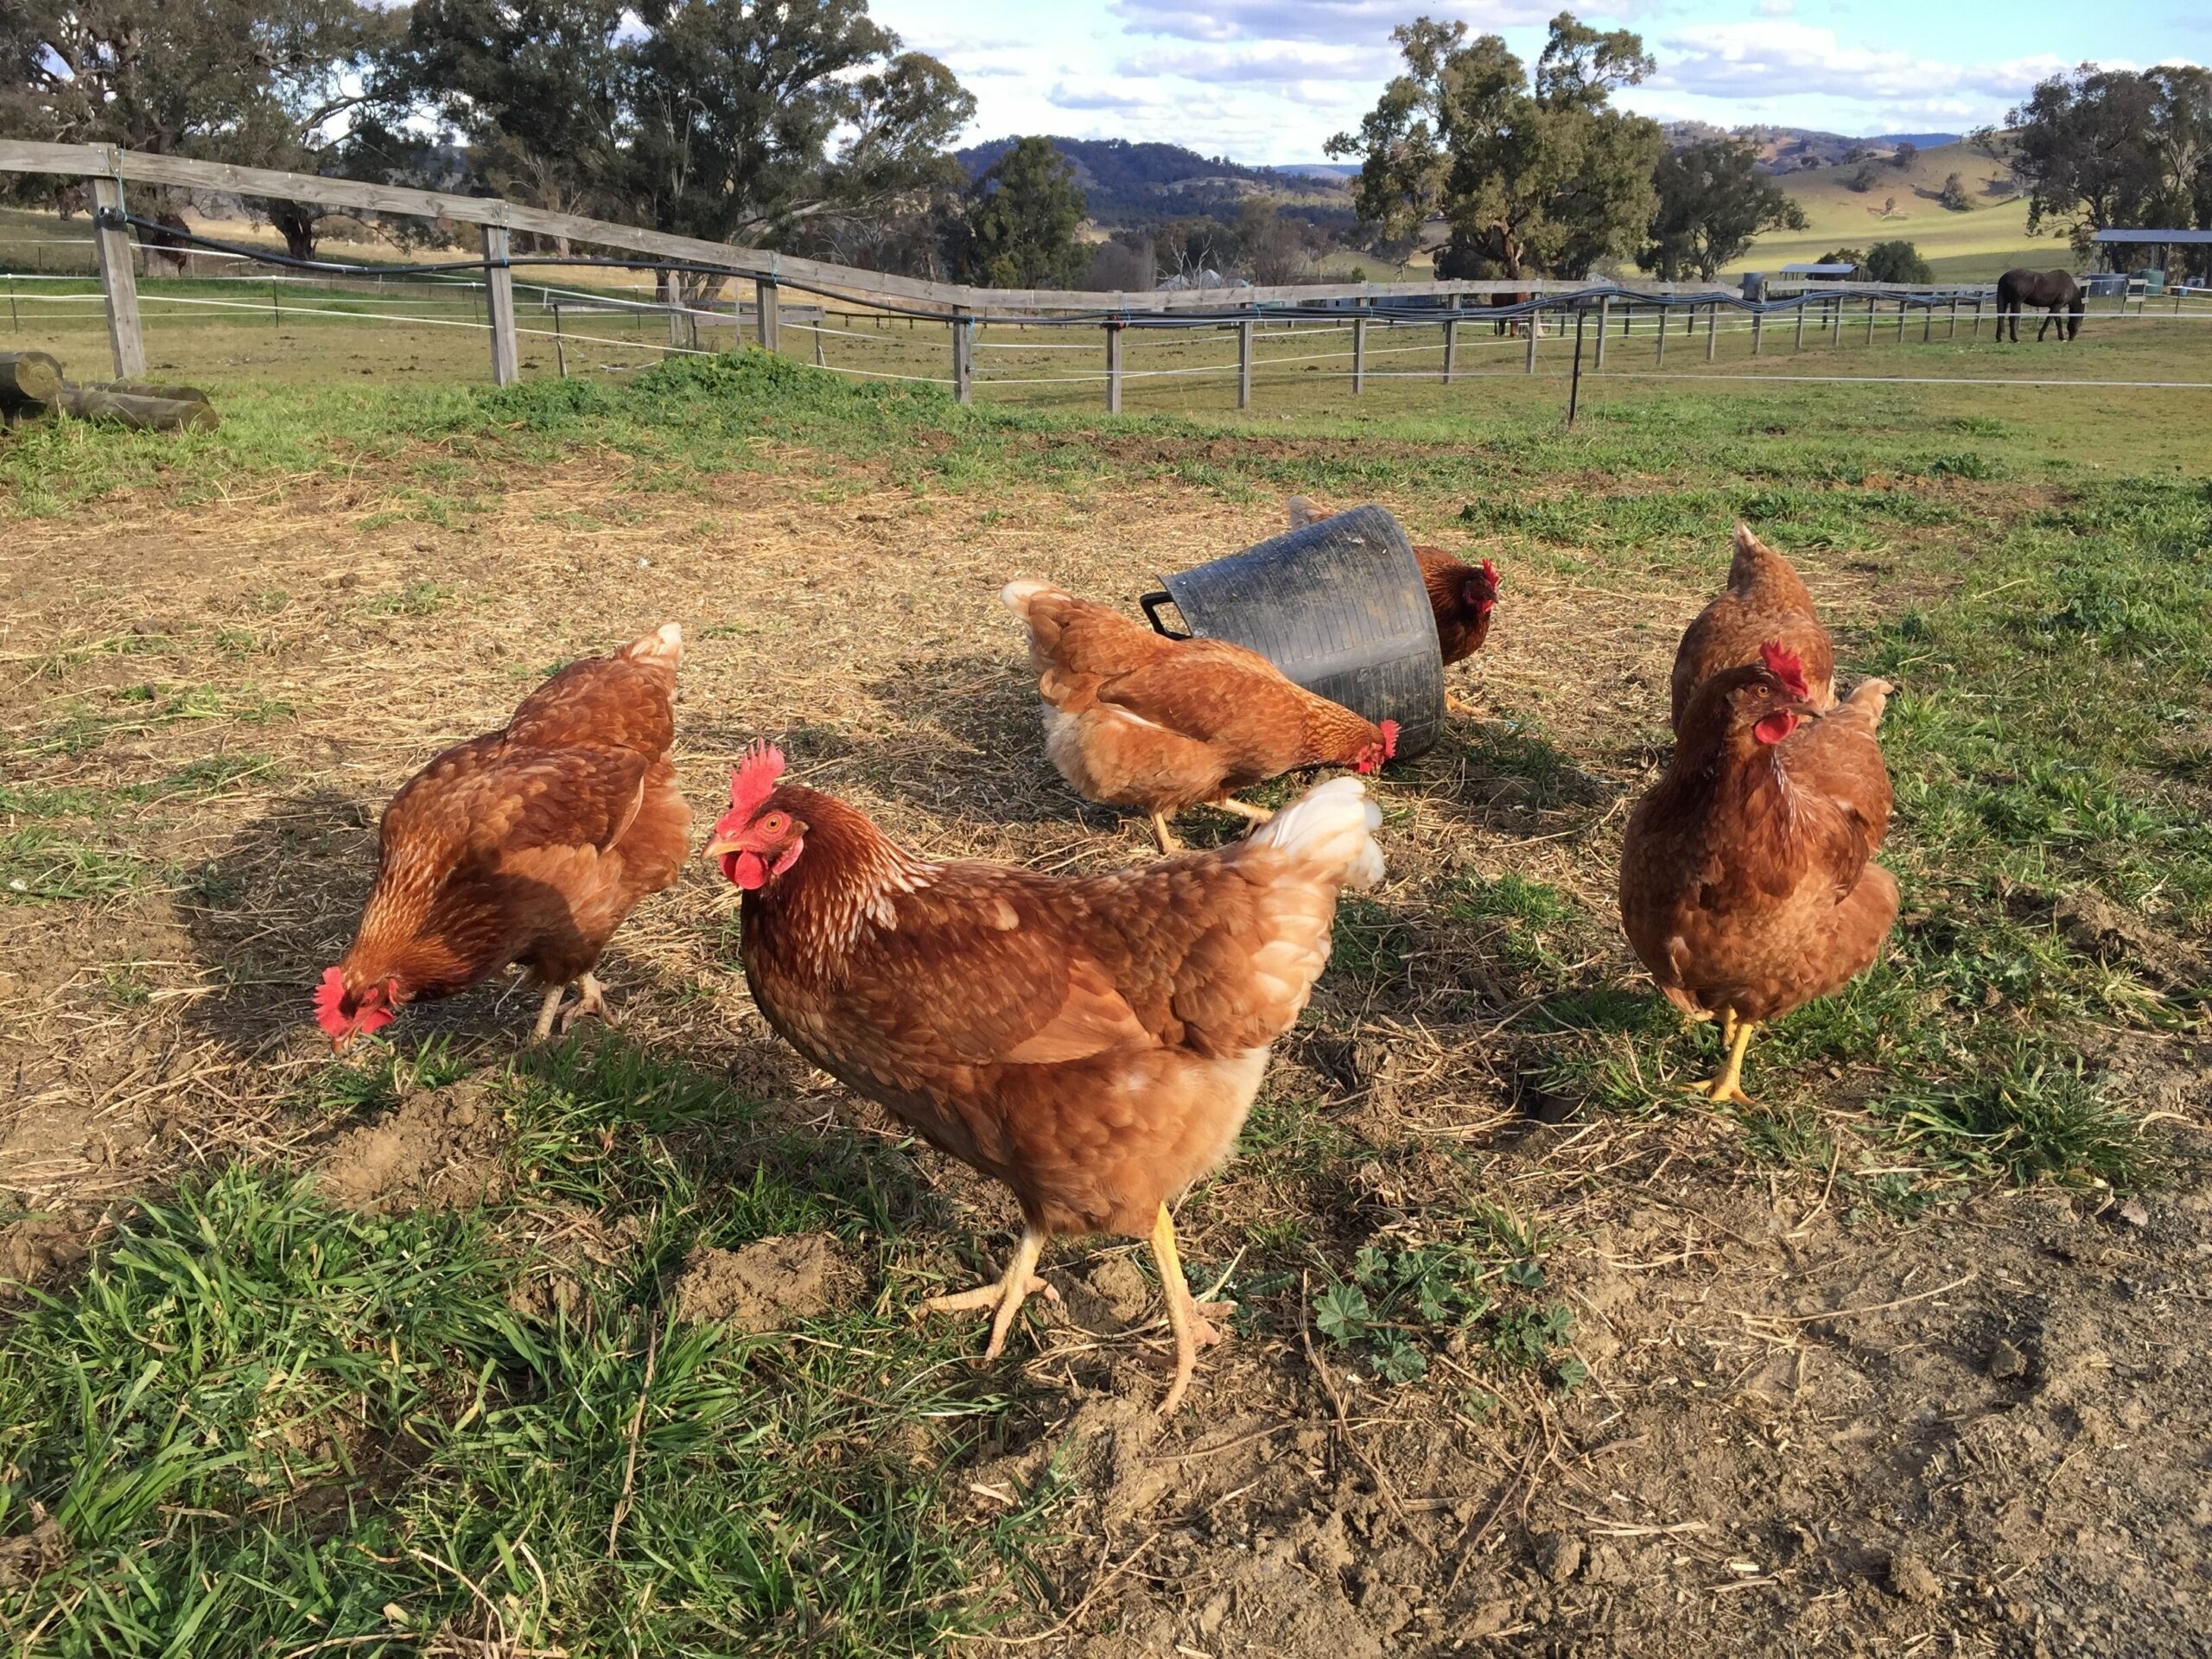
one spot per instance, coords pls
(1244, 808)
(1186, 1314)
(1729, 1085)
(1020, 1282)
(1168, 844)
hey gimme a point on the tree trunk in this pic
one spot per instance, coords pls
(296, 221)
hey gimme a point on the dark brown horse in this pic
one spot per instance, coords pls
(2046, 290)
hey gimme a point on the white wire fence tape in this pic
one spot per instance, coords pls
(1904, 380)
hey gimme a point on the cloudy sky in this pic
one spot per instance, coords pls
(1268, 81)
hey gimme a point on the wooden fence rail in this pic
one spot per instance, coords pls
(960, 307)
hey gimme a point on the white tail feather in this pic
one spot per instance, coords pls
(666, 640)
(1016, 595)
(1333, 825)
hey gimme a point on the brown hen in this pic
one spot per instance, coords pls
(530, 845)
(1765, 600)
(1748, 886)
(1133, 718)
(1094, 1042)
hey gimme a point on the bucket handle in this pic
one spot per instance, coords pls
(1151, 602)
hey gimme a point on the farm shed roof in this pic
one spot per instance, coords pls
(2177, 236)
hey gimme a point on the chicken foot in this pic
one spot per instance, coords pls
(1186, 1316)
(1019, 1283)
(591, 1000)
(1168, 845)
(1727, 1018)
(1729, 1085)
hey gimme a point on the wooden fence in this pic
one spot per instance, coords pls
(961, 307)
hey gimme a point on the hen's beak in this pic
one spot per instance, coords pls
(720, 847)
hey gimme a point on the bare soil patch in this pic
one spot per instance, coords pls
(767, 1284)
(440, 1150)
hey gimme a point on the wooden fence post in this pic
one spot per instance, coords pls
(1605, 314)
(117, 283)
(1359, 354)
(1951, 332)
(1799, 344)
(1835, 321)
(963, 362)
(560, 345)
(1977, 317)
(1870, 303)
(1244, 364)
(1758, 329)
(768, 316)
(1900, 322)
(500, 286)
(1927, 323)
(1659, 350)
(1712, 329)
(1450, 346)
(1534, 320)
(1113, 368)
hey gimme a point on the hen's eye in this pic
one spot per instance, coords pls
(772, 824)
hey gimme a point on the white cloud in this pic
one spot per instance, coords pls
(1780, 58)
(1269, 63)
(1106, 92)
(1351, 21)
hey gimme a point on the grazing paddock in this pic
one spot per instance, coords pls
(419, 1353)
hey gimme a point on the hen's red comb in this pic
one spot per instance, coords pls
(1787, 666)
(1390, 730)
(327, 995)
(755, 777)
(1489, 574)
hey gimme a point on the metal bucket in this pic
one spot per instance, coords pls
(1339, 606)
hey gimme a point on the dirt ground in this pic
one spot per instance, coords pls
(1804, 1429)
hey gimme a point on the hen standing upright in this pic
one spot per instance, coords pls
(1094, 1042)
(529, 845)
(1133, 718)
(1765, 600)
(1748, 885)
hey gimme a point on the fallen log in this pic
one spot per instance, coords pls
(142, 414)
(151, 389)
(30, 382)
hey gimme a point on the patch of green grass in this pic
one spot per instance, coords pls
(38, 865)
(1519, 923)
(262, 1423)
(2033, 1118)
(418, 599)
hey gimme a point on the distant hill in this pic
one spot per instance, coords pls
(1139, 184)
(1802, 150)
(1902, 204)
